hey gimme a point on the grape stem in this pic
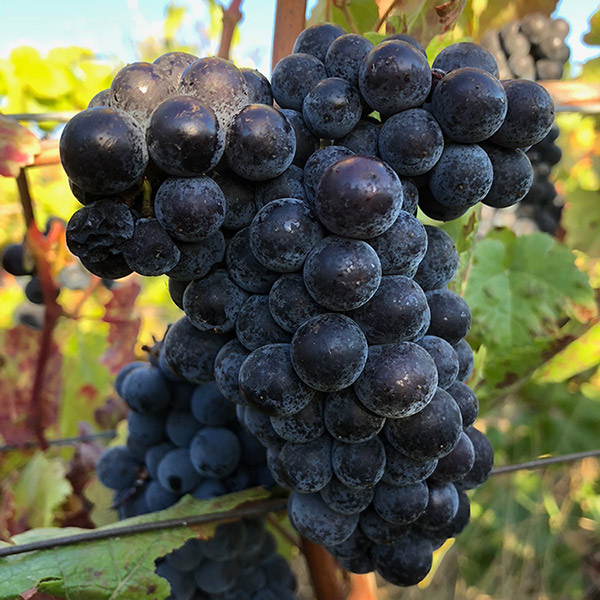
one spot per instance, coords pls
(385, 15)
(325, 572)
(342, 6)
(25, 196)
(283, 531)
(231, 17)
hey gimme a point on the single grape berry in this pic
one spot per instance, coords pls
(190, 209)
(261, 143)
(197, 258)
(317, 164)
(445, 359)
(255, 326)
(139, 88)
(216, 83)
(103, 150)
(450, 315)
(329, 352)
(513, 176)
(341, 273)
(317, 39)
(359, 197)
(174, 64)
(200, 140)
(394, 76)
(332, 108)
(306, 142)
(283, 233)
(398, 380)
(259, 88)
(363, 139)
(344, 56)
(440, 263)
(465, 54)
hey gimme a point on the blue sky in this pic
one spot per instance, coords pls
(112, 27)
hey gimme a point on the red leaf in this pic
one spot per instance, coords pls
(19, 351)
(124, 326)
(18, 147)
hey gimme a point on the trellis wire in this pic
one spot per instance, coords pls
(267, 506)
(69, 441)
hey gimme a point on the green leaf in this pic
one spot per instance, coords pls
(519, 287)
(432, 18)
(592, 37)
(119, 568)
(42, 488)
(581, 219)
(363, 15)
(374, 38)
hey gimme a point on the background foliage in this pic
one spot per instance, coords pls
(535, 331)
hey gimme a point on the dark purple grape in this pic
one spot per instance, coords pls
(196, 259)
(191, 353)
(458, 463)
(214, 302)
(465, 54)
(293, 77)
(184, 137)
(103, 150)
(347, 420)
(290, 184)
(190, 209)
(411, 142)
(465, 360)
(346, 500)
(302, 427)
(394, 76)
(112, 267)
(176, 291)
(404, 563)
(181, 427)
(259, 425)
(401, 470)
(291, 304)
(259, 88)
(401, 504)
(450, 315)
(150, 252)
(442, 506)
(317, 39)
(101, 99)
(398, 380)
(345, 55)
(440, 263)
(318, 523)
(306, 468)
(261, 143)
(17, 261)
(363, 139)
(316, 166)
(283, 233)
(215, 452)
(139, 88)
(462, 177)
(398, 312)
(404, 37)
(357, 544)
(217, 83)
(378, 530)
(306, 142)
(332, 108)
(513, 176)
(243, 267)
(484, 460)
(269, 382)
(445, 359)
(329, 352)
(359, 465)
(469, 104)
(100, 230)
(359, 197)
(240, 200)
(402, 247)
(434, 210)
(342, 273)
(530, 115)
(174, 64)
(255, 327)
(431, 433)
(176, 473)
(228, 363)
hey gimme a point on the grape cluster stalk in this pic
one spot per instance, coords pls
(283, 213)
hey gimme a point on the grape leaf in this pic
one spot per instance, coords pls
(434, 17)
(19, 349)
(363, 14)
(581, 219)
(119, 568)
(124, 326)
(519, 287)
(41, 489)
(18, 146)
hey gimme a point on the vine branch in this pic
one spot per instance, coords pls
(325, 572)
(231, 17)
(25, 197)
(342, 6)
(289, 22)
(385, 15)
(259, 508)
(540, 463)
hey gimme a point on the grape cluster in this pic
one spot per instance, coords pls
(535, 48)
(541, 204)
(240, 562)
(312, 294)
(531, 48)
(183, 438)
